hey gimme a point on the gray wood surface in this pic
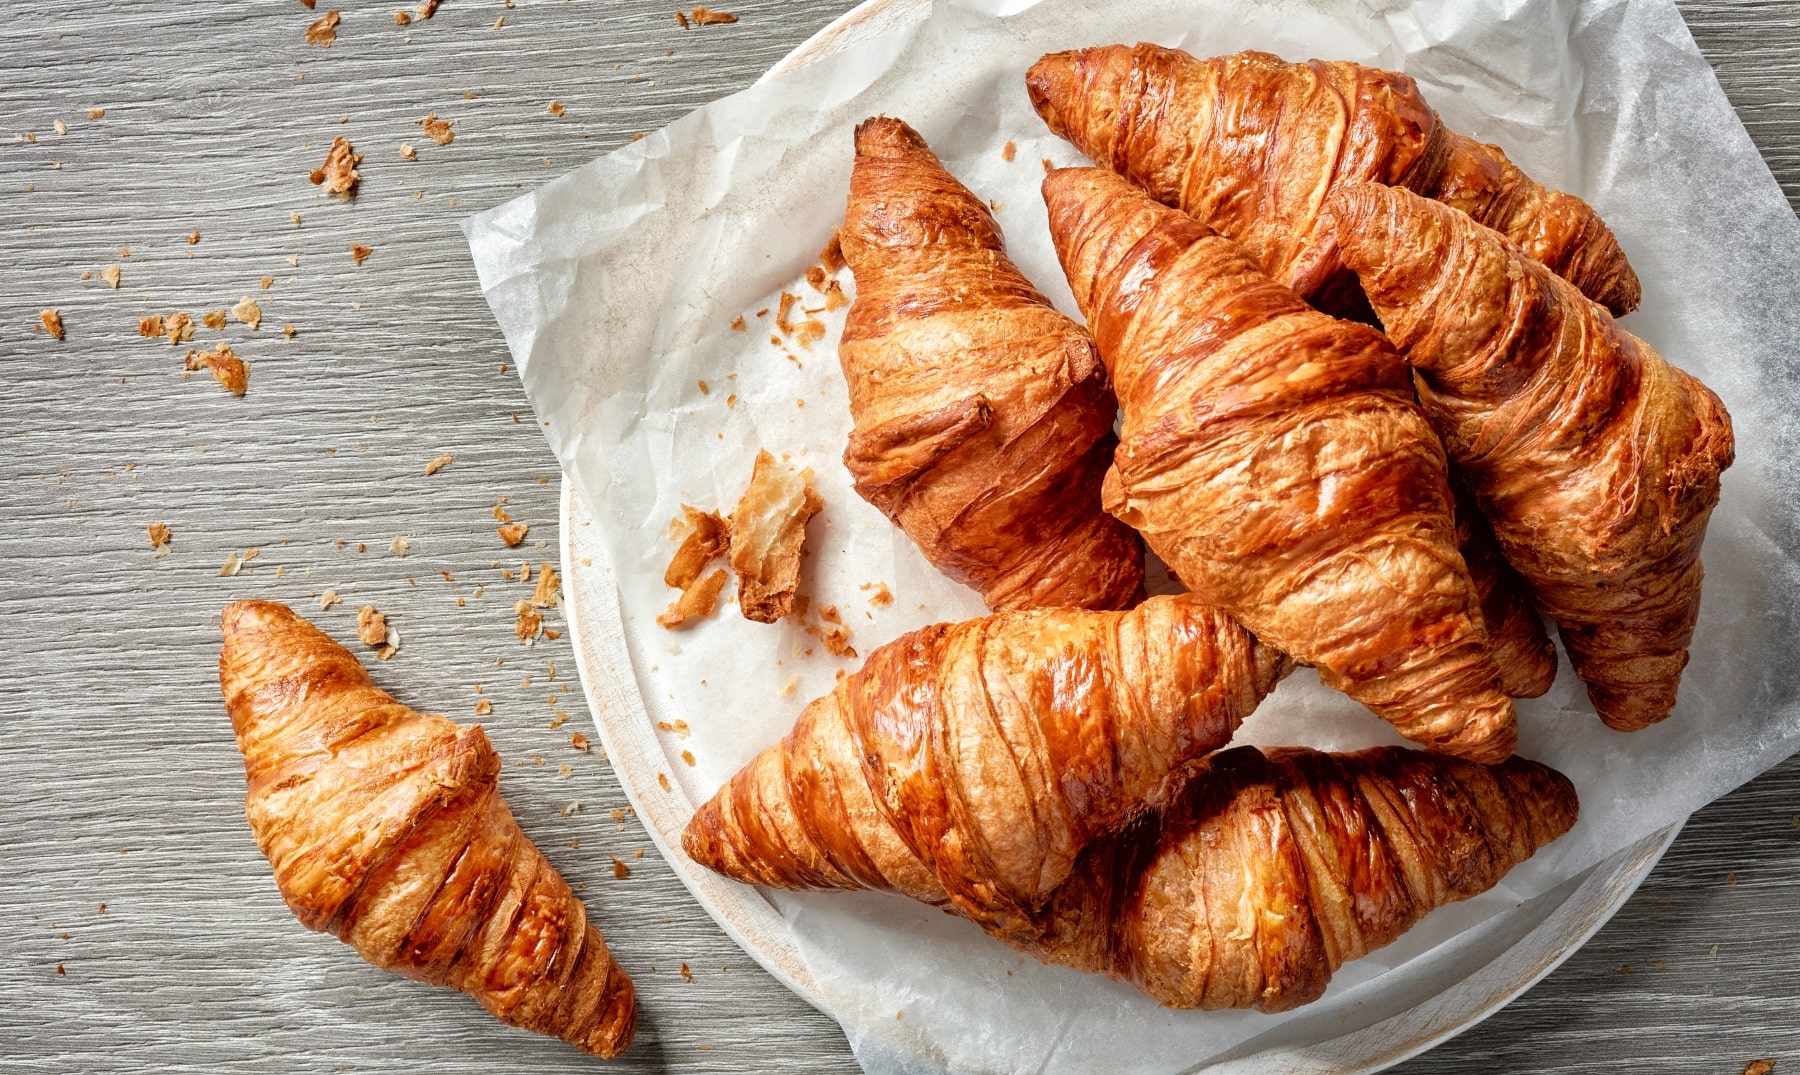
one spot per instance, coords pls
(119, 782)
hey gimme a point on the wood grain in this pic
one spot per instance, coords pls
(121, 783)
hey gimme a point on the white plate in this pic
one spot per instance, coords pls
(1417, 1009)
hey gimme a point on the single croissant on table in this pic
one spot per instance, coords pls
(968, 764)
(1252, 146)
(983, 417)
(386, 828)
(1595, 460)
(1264, 874)
(1274, 457)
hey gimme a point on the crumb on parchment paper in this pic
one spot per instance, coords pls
(708, 538)
(768, 535)
(697, 601)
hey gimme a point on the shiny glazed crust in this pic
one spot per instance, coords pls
(983, 421)
(1596, 462)
(1274, 458)
(968, 764)
(1252, 146)
(386, 829)
(1263, 875)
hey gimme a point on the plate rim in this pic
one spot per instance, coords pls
(752, 921)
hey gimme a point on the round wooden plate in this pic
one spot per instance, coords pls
(1522, 947)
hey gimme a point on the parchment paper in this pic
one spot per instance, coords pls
(616, 286)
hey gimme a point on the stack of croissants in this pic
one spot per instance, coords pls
(1374, 412)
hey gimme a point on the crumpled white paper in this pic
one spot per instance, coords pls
(616, 286)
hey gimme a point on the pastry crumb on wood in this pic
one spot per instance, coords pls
(705, 16)
(439, 463)
(555, 108)
(110, 275)
(620, 870)
(512, 533)
(437, 129)
(52, 322)
(545, 595)
(698, 600)
(151, 326)
(768, 534)
(338, 175)
(329, 598)
(248, 312)
(407, 152)
(1760, 1067)
(213, 319)
(529, 624)
(371, 625)
(360, 253)
(323, 31)
(177, 328)
(580, 742)
(708, 538)
(227, 368)
(159, 534)
(686, 974)
(483, 707)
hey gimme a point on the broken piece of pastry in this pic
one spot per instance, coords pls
(969, 763)
(983, 421)
(1265, 874)
(1596, 462)
(1252, 146)
(1274, 457)
(767, 534)
(386, 828)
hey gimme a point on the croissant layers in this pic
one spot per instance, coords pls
(1595, 460)
(983, 421)
(1264, 874)
(1252, 146)
(1274, 458)
(386, 829)
(968, 764)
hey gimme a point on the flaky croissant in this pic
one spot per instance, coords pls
(1595, 460)
(1516, 638)
(983, 417)
(1252, 145)
(386, 828)
(1263, 875)
(967, 764)
(1274, 458)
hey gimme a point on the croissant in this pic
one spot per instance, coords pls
(1595, 460)
(386, 828)
(983, 421)
(967, 764)
(1274, 458)
(1265, 874)
(1252, 145)
(1516, 638)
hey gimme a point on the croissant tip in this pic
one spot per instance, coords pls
(880, 133)
(1049, 83)
(243, 615)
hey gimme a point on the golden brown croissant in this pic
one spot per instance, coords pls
(1275, 459)
(969, 763)
(983, 417)
(1252, 145)
(386, 828)
(1263, 875)
(1595, 460)
(1516, 638)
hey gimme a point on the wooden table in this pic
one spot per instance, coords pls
(140, 929)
